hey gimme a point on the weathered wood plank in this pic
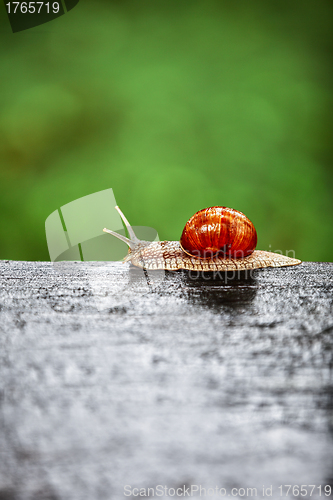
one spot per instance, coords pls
(112, 378)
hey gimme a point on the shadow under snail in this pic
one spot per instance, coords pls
(213, 239)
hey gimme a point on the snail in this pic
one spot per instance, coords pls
(214, 239)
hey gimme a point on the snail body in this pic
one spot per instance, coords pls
(214, 239)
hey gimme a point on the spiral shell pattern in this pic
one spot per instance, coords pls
(219, 232)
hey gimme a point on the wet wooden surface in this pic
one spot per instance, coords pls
(110, 377)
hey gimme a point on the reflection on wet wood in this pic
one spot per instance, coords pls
(111, 376)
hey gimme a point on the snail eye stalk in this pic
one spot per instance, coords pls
(133, 240)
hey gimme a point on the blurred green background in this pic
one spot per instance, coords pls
(176, 105)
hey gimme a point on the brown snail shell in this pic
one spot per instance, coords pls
(219, 231)
(170, 255)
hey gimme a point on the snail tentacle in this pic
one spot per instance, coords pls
(133, 241)
(128, 242)
(132, 234)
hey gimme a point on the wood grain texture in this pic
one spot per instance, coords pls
(111, 376)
